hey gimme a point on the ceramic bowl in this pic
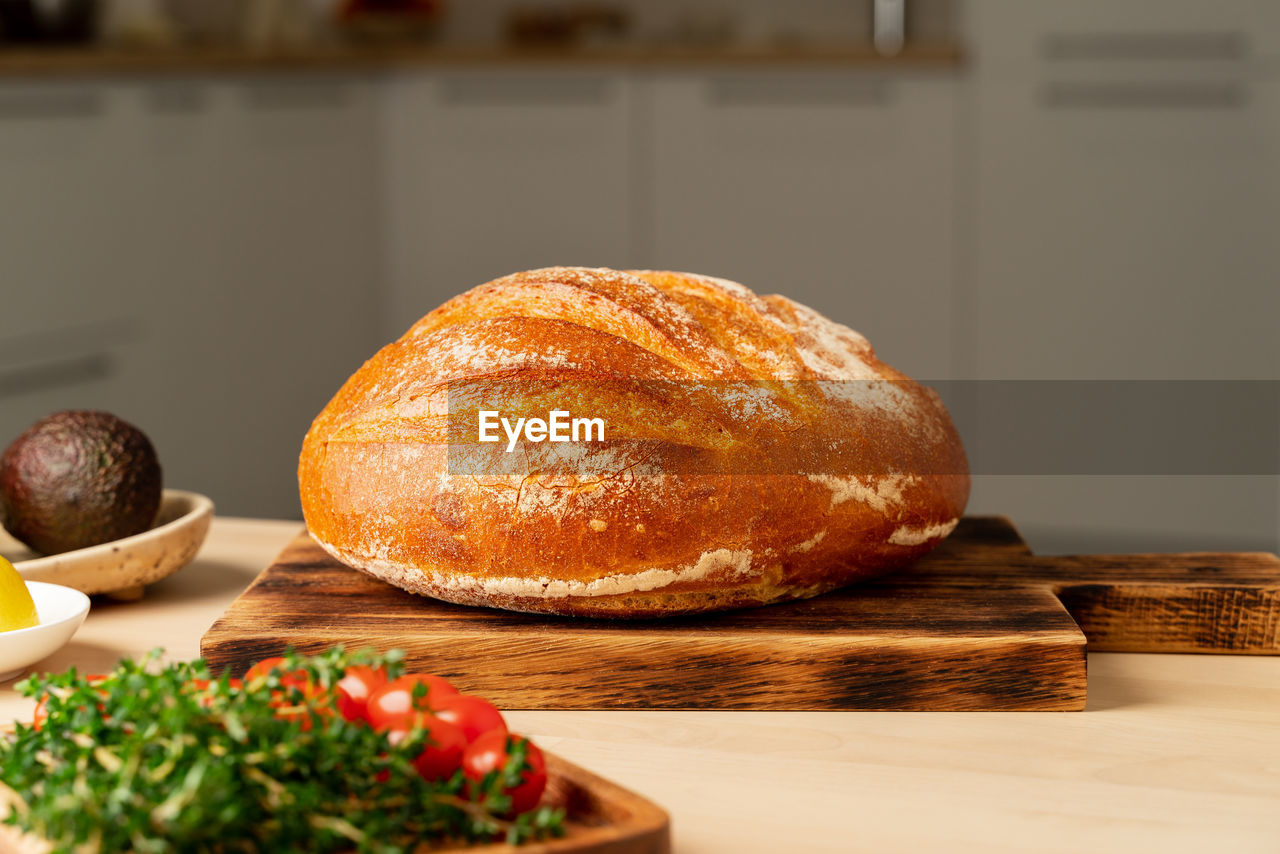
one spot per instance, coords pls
(122, 568)
(61, 611)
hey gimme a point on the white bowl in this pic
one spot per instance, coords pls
(123, 567)
(61, 611)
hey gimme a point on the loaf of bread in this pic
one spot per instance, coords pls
(752, 451)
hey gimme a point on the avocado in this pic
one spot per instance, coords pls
(76, 479)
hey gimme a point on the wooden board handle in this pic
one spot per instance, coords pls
(1217, 602)
(1224, 603)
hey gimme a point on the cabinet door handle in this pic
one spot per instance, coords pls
(785, 91)
(301, 95)
(176, 98)
(506, 90)
(1192, 46)
(1192, 95)
(51, 104)
(54, 345)
(73, 370)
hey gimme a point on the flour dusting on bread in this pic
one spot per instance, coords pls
(914, 535)
(723, 564)
(883, 492)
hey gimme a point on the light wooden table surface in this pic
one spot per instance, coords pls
(1175, 752)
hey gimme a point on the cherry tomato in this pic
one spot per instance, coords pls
(444, 745)
(275, 663)
(489, 752)
(355, 688)
(302, 701)
(298, 697)
(395, 701)
(41, 714)
(203, 688)
(473, 715)
(262, 668)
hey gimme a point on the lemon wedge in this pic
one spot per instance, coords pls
(17, 611)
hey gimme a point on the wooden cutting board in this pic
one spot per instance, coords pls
(979, 624)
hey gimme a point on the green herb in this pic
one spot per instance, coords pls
(150, 760)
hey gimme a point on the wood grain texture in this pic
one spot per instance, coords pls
(883, 646)
(979, 624)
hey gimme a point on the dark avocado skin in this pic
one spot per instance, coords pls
(77, 479)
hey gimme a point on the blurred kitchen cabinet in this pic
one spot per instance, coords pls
(1018, 32)
(70, 302)
(490, 172)
(1123, 202)
(197, 255)
(1112, 149)
(291, 275)
(835, 188)
(61, 149)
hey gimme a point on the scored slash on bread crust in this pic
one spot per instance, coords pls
(683, 369)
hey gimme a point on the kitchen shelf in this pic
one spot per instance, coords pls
(76, 62)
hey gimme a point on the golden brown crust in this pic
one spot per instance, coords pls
(756, 451)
